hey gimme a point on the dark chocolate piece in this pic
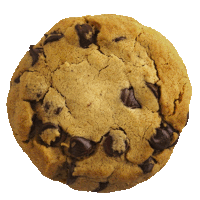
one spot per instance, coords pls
(163, 137)
(86, 35)
(81, 147)
(128, 98)
(17, 80)
(147, 165)
(58, 110)
(108, 147)
(35, 128)
(39, 95)
(34, 52)
(102, 186)
(70, 178)
(53, 37)
(119, 39)
(46, 106)
(154, 88)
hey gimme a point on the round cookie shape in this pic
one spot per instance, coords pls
(99, 102)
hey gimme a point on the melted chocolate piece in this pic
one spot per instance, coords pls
(128, 98)
(53, 37)
(47, 106)
(119, 39)
(35, 128)
(86, 35)
(162, 139)
(34, 52)
(81, 147)
(155, 89)
(70, 178)
(108, 147)
(102, 186)
(58, 110)
(147, 165)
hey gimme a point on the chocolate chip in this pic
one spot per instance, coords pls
(58, 110)
(119, 39)
(53, 37)
(33, 104)
(147, 165)
(154, 88)
(17, 80)
(128, 98)
(108, 146)
(163, 137)
(86, 35)
(39, 95)
(81, 147)
(108, 142)
(102, 186)
(46, 106)
(34, 52)
(35, 128)
(70, 178)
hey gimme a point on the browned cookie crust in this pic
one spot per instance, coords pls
(99, 102)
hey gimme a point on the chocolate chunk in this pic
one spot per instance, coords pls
(102, 186)
(162, 139)
(128, 98)
(58, 110)
(35, 128)
(81, 147)
(17, 80)
(53, 37)
(39, 95)
(46, 106)
(154, 88)
(86, 35)
(147, 165)
(119, 39)
(34, 52)
(108, 142)
(108, 146)
(70, 178)
(33, 104)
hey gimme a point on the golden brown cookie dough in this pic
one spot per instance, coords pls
(100, 102)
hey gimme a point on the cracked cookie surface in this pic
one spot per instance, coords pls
(100, 102)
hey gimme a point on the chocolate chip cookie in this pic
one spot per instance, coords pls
(99, 102)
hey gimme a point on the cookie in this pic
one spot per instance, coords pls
(99, 102)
